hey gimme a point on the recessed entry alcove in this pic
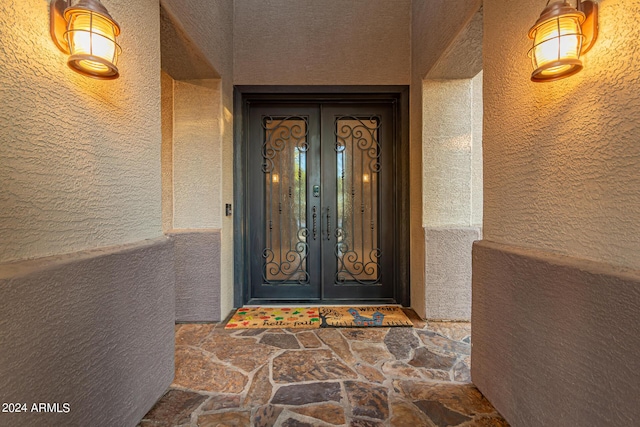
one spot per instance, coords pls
(321, 195)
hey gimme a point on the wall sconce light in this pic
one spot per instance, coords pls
(560, 36)
(87, 33)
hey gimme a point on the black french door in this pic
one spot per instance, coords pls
(321, 217)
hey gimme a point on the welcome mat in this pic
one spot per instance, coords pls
(317, 317)
(274, 317)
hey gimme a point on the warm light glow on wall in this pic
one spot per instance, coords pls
(89, 37)
(559, 39)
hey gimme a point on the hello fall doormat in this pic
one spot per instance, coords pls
(317, 317)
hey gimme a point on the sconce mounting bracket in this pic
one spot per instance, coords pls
(590, 24)
(58, 25)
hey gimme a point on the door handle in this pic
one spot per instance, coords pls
(328, 223)
(315, 222)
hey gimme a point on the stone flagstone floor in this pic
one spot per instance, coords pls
(324, 377)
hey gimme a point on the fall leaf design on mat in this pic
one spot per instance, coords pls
(274, 317)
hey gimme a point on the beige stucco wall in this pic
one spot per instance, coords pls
(435, 26)
(562, 159)
(80, 157)
(477, 114)
(209, 26)
(166, 84)
(321, 42)
(452, 177)
(452, 152)
(80, 179)
(553, 303)
(197, 149)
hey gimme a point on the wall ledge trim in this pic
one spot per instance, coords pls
(562, 260)
(24, 268)
(452, 227)
(192, 231)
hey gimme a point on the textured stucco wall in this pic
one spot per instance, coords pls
(447, 139)
(452, 172)
(94, 329)
(181, 58)
(328, 42)
(209, 28)
(80, 169)
(555, 338)
(562, 158)
(80, 157)
(434, 27)
(447, 272)
(463, 57)
(450, 154)
(197, 180)
(197, 267)
(554, 312)
(477, 107)
(167, 151)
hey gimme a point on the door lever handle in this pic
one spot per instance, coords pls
(315, 223)
(328, 223)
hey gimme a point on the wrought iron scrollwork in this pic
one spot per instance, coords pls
(358, 162)
(284, 166)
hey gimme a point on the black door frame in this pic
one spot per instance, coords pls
(396, 95)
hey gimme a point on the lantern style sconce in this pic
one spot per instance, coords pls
(560, 36)
(87, 33)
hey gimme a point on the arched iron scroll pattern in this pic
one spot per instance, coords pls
(284, 165)
(358, 176)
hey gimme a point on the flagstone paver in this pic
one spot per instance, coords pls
(367, 399)
(400, 342)
(196, 370)
(280, 340)
(380, 377)
(371, 353)
(425, 358)
(227, 419)
(369, 373)
(328, 412)
(174, 408)
(336, 342)
(260, 391)
(309, 339)
(301, 394)
(310, 365)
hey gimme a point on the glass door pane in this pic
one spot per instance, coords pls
(357, 167)
(284, 164)
(284, 154)
(357, 156)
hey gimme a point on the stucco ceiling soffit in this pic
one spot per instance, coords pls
(462, 59)
(180, 56)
